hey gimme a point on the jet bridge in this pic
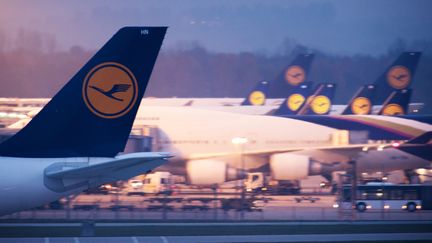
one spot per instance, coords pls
(143, 139)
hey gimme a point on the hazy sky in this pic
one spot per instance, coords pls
(336, 26)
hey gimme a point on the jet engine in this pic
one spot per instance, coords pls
(208, 172)
(288, 166)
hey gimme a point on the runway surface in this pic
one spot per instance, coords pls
(389, 237)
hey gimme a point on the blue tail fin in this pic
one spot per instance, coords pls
(320, 102)
(420, 146)
(396, 77)
(295, 99)
(292, 76)
(425, 138)
(92, 115)
(396, 103)
(361, 103)
(257, 96)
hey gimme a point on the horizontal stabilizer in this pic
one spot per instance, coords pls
(109, 168)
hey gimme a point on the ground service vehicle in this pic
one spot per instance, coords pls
(257, 182)
(387, 196)
(160, 182)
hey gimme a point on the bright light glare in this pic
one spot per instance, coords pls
(239, 140)
(421, 171)
(395, 144)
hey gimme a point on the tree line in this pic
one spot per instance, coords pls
(35, 68)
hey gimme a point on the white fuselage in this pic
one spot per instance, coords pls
(190, 132)
(22, 184)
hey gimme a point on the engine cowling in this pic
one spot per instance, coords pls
(288, 166)
(208, 172)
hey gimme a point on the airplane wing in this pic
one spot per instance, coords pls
(120, 167)
(329, 152)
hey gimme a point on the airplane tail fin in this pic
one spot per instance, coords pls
(397, 76)
(320, 102)
(419, 146)
(257, 96)
(396, 103)
(425, 138)
(361, 102)
(294, 101)
(92, 115)
(293, 75)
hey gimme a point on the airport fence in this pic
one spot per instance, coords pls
(291, 208)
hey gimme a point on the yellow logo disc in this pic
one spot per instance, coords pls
(295, 75)
(399, 77)
(321, 104)
(295, 101)
(110, 90)
(257, 98)
(393, 109)
(361, 106)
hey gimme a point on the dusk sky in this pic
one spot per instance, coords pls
(334, 26)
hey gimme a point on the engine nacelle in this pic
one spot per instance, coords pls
(208, 172)
(288, 166)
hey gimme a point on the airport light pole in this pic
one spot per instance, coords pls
(240, 142)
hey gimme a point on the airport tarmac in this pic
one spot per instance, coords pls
(376, 231)
(384, 237)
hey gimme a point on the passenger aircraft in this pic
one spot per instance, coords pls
(75, 141)
(204, 151)
(202, 139)
(204, 144)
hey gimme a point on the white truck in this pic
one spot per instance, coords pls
(160, 182)
(259, 183)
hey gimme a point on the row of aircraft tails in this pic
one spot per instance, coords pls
(291, 94)
(77, 140)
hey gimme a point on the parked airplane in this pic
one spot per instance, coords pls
(405, 65)
(73, 143)
(398, 76)
(301, 101)
(397, 103)
(362, 101)
(206, 148)
(294, 75)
